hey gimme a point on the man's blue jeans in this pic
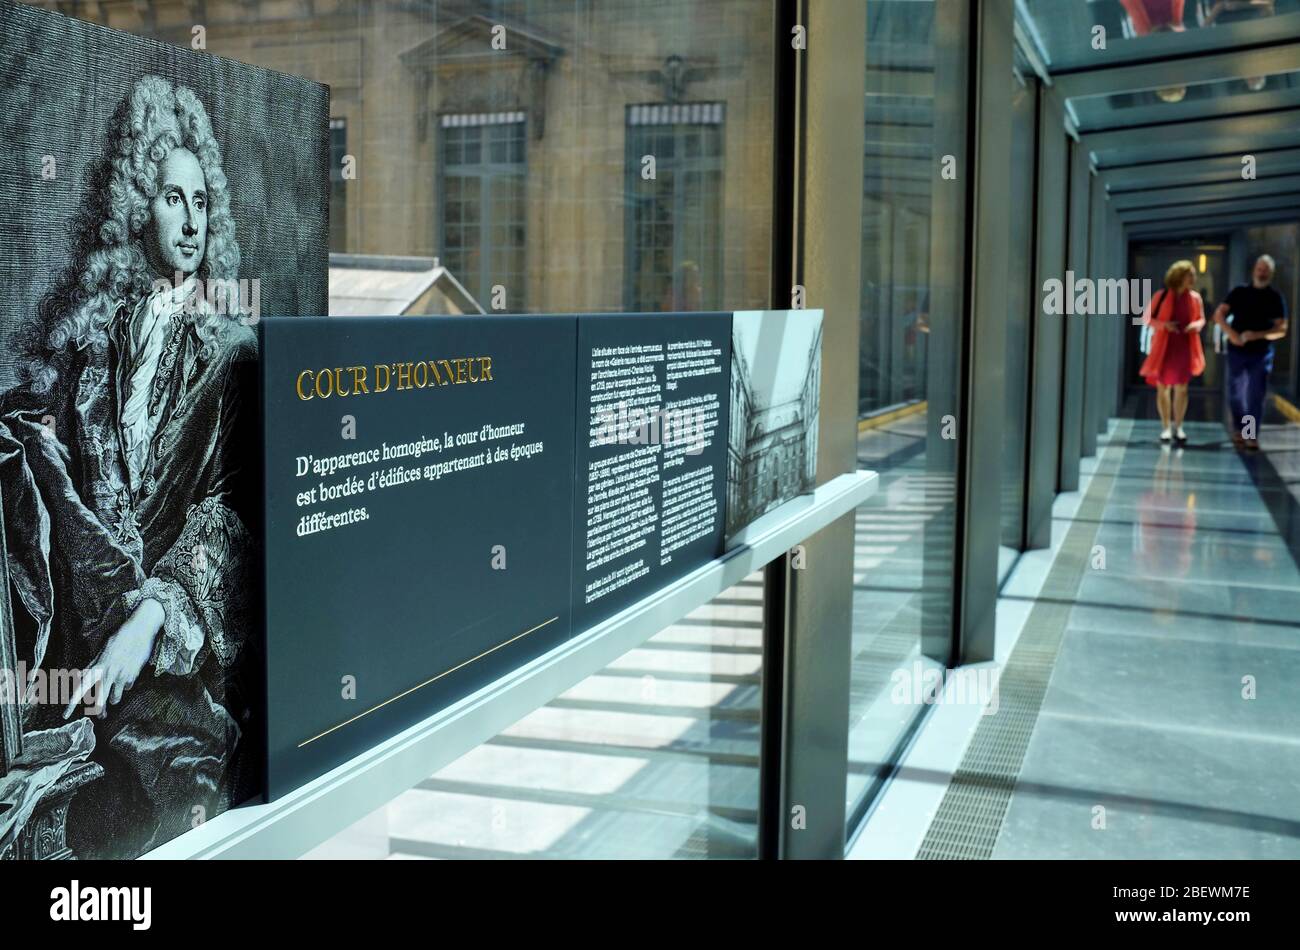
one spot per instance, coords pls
(1247, 379)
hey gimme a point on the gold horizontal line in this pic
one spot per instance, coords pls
(431, 679)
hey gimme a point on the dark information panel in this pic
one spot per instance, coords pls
(419, 480)
(651, 467)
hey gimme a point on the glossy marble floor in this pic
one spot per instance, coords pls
(1171, 723)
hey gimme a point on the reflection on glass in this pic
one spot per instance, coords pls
(557, 156)
(1280, 90)
(674, 255)
(338, 186)
(483, 208)
(1083, 33)
(656, 756)
(910, 332)
(592, 157)
(1166, 520)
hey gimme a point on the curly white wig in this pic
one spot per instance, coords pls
(109, 269)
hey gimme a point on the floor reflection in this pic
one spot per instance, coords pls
(1171, 725)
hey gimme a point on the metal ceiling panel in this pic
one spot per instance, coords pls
(1203, 208)
(1167, 196)
(1211, 224)
(1199, 170)
(1280, 56)
(1101, 112)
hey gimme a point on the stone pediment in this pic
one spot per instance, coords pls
(468, 42)
(460, 66)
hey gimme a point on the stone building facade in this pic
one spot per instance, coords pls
(510, 138)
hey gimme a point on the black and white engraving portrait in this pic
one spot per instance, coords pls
(775, 401)
(129, 457)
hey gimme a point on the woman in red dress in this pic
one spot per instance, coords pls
(1176, 316)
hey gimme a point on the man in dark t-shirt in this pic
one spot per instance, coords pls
(1258, 318)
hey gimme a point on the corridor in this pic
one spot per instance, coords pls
(1148, 701)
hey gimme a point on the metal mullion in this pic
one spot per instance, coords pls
(786, 141)
(1073, 357)
(828, 188)
(772, 724)
(484, 217)
(1028, 410)
(1051, 226)
(1088, 420)
(979, 518)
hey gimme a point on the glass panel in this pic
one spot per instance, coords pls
(479, 183)
(912, 227)
(656, 756)
(674, 192)
(1181, 102)
(1068, 30)
(595, 237)
(338, 186)
(521, 167)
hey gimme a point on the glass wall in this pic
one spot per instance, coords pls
(557, 156)
(1136, 30)
(913, 221)
(656, 756)
(482, 212)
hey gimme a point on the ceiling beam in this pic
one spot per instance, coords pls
(1187, 194)
(1160, 113)
(1157, 229)
(1225, 221)
(1190, 171)
(1225, 129)
(1211, 207)
(1212, 67)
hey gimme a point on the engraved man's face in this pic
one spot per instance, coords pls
(177, 234)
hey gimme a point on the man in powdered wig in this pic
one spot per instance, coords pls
(128, 484)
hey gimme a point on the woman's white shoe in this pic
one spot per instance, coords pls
(1166, 435)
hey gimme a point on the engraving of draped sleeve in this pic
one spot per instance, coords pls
(204, 579)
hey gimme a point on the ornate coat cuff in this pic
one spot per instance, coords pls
(178, 645)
